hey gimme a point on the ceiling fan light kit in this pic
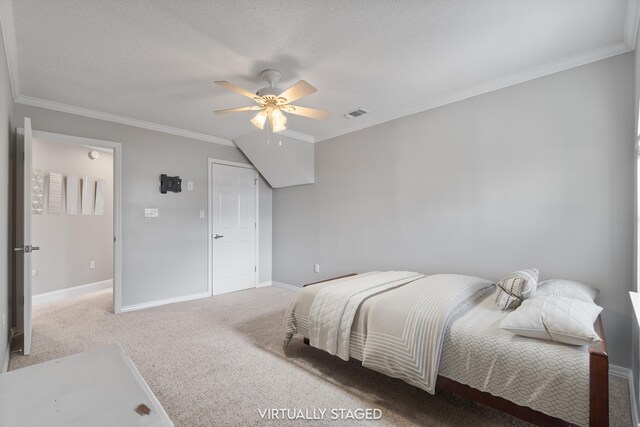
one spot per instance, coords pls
(274, 102)
(277, 120)
(259, 120)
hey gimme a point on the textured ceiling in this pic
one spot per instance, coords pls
(156, 60)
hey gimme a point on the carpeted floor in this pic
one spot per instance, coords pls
(219, 362)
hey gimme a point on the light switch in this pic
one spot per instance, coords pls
(190, 185)
(34, 273)
(201, 214)
(92, 264)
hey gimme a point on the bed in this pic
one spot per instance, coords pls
(478, 360)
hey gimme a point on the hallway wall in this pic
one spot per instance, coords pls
(68, 243)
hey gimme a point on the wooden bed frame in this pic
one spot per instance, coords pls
(598, 386)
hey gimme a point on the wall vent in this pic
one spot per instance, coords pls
(355, 113)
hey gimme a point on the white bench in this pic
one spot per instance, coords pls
(100, 387)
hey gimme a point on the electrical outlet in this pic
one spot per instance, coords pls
(316, 268)
(151, 212)
(201, 214)
(92, 264)
(189, 185)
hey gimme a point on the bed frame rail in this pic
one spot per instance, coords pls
(599, 379)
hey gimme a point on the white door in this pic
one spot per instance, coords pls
(234, 228)
(23, 247)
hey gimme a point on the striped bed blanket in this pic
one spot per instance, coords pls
(404, 328)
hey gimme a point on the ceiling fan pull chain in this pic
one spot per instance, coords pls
(268, 133)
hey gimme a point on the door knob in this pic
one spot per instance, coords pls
(27, 249)
(217, 236)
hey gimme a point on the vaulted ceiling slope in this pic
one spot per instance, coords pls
(153, 62)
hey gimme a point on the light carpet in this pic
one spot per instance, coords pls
(219, 361)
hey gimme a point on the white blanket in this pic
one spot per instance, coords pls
(403, 329)
(406, 343)
(334, 308)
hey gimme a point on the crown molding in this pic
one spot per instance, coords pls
(298, 135)
(493, 85)
(85, 112)
(631, 23)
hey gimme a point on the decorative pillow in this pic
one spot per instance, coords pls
(567, 288)
(560, 319)
(516, 287)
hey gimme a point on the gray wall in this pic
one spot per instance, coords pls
(163, 257)
(536, 175)
(6, 134)
(68, 243)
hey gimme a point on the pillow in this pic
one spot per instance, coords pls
(516, 287)
(552, 318)
(567, 288)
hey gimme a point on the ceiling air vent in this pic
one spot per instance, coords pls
(355, 113)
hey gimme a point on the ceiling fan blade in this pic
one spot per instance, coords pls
(297, 91)
(237, 89)
(312, 113)
(238, 110)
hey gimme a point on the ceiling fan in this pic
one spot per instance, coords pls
(273, 102)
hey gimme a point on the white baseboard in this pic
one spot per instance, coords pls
(71, 292)
(285, 286)
(626, 373)
(264, 284)
(619, 371)
(156, 303)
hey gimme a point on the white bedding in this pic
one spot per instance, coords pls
(404, 327)
(334, 307)
(549, 377)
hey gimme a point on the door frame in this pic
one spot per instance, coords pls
(212, 162)
(117, 201)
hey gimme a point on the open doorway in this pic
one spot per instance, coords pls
(72, 220)
(37, 191)
(111, 208)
